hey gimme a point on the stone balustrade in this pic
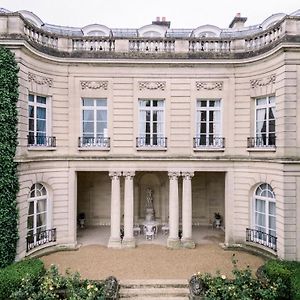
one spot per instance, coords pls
(232, 43)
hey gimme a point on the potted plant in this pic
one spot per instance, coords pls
(217, 220)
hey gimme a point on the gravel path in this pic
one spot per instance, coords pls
(149, 261)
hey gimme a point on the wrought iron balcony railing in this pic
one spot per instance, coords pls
(208, 142)
(40, 238)
(261, 238)
(261, 142)
(90, 142)
(41, 141)
(151, 142)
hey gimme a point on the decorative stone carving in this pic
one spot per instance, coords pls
(94, 85)
(41, 80)
(263, 81)
(197, 287)
(187, 175)
(173, 175)
(129, 175)
(212, 85)
(114, 175)
(152, 85)
(111, 288)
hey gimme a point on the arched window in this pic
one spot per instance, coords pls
(265, 210)
(37, 211)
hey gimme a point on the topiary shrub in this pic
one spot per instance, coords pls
(11, 277)
(8, 167)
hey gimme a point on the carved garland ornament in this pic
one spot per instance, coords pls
(213, 85)
(152, 85)
(41, 80)
(263, 81)
(94, 85)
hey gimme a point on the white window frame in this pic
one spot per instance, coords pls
(217, 141)
(161, 137)
(98, 139)
(267, 200)
(258, 139)
(35, 105)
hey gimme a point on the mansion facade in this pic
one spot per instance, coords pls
(207, 119)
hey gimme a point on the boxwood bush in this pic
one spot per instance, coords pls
(11, 277)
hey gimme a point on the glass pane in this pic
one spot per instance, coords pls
(31, 124)
(40, 99)
(271, 112)
(203, 116)
(41, 206)
(261, 220)
(31, 208)
(272, 126)
(101, 115)
(88, 102)
(155, 103)
(41, 126)
(272, 99)
(31, 98)
(160, 103)
(41, 113)
(261, 101)
(211, 115)
(272, 208)
(260, 206)
(41, 219)
(272, 222)
(203, 103)
(100, 127)
(154, 116)
(203, 127)
(30, 222)
(88, 115)
(30, 111)
(88, 127)
(142, 103)
(101, 102)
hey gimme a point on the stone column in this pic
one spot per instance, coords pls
(187, 210)
(173, 240)
(128, 240)
(229, 207)
(115, 240)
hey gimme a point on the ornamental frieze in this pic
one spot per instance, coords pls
(210, 86)
(152, 85)
(94, 85)
(263, 81)
(41, 80)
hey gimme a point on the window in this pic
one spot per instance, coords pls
(38, 122)
(265, 122)
(94, 123)
(265, 212)
(208, 124)
(151, 124)
(37, 212)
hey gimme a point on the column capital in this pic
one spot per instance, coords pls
(114, 174)
(128, 174)
(173, 175)
(187, 175)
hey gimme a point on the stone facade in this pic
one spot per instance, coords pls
(105, 176)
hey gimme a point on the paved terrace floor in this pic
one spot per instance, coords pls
(150, 259)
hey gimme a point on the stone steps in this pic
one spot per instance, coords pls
(154, 289)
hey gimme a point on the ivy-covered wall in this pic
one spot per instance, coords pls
(8, 167)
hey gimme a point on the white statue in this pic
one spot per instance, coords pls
(150, 213)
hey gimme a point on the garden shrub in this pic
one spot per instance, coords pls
(11, 277)
(8, 167)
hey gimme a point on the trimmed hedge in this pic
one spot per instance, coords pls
(8, 168)
(288, 272)
(11, 276)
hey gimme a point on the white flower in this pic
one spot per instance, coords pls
(223, 277)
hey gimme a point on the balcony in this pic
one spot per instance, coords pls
(208, 143)
(41, 141)
(262, 142)
(151, 143)
(261, 238)
(40, 238)
(88, 143)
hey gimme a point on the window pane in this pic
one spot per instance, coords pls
(87, 102)
(101, 115)
(101, 102)
(261, 101)
(30, 111)
(154, 116)
(41, 206)
(88, 127)
(203, 103)
(88, 115)
(272, 208)
(30, 222)
(31, 208)
(41, 113)
(31, 124)
(271, 99)
(100, 127)
(203, 116)
(40, 99)
(272, 222)
(41, 126)
(31, 98)
(41, 219)
(203, 128)
(260, 206)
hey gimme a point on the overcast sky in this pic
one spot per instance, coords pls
(137, 13)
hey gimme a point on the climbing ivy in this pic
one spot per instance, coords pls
(8, 168)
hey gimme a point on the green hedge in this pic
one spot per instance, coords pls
(8, 168)
(11, 276)
(289, 273)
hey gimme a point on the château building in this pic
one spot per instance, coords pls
(206, 118)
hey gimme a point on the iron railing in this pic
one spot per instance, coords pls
(40, 238)
(208, 142)
(90, 142)
(262, 141)
(151, 142)
(261, 238)
(41, 141)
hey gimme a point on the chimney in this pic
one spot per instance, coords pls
(161, 22)
(237, 22)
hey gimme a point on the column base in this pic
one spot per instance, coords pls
(114, 243)
(128, 243)
(173, 243)
(188, 243)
